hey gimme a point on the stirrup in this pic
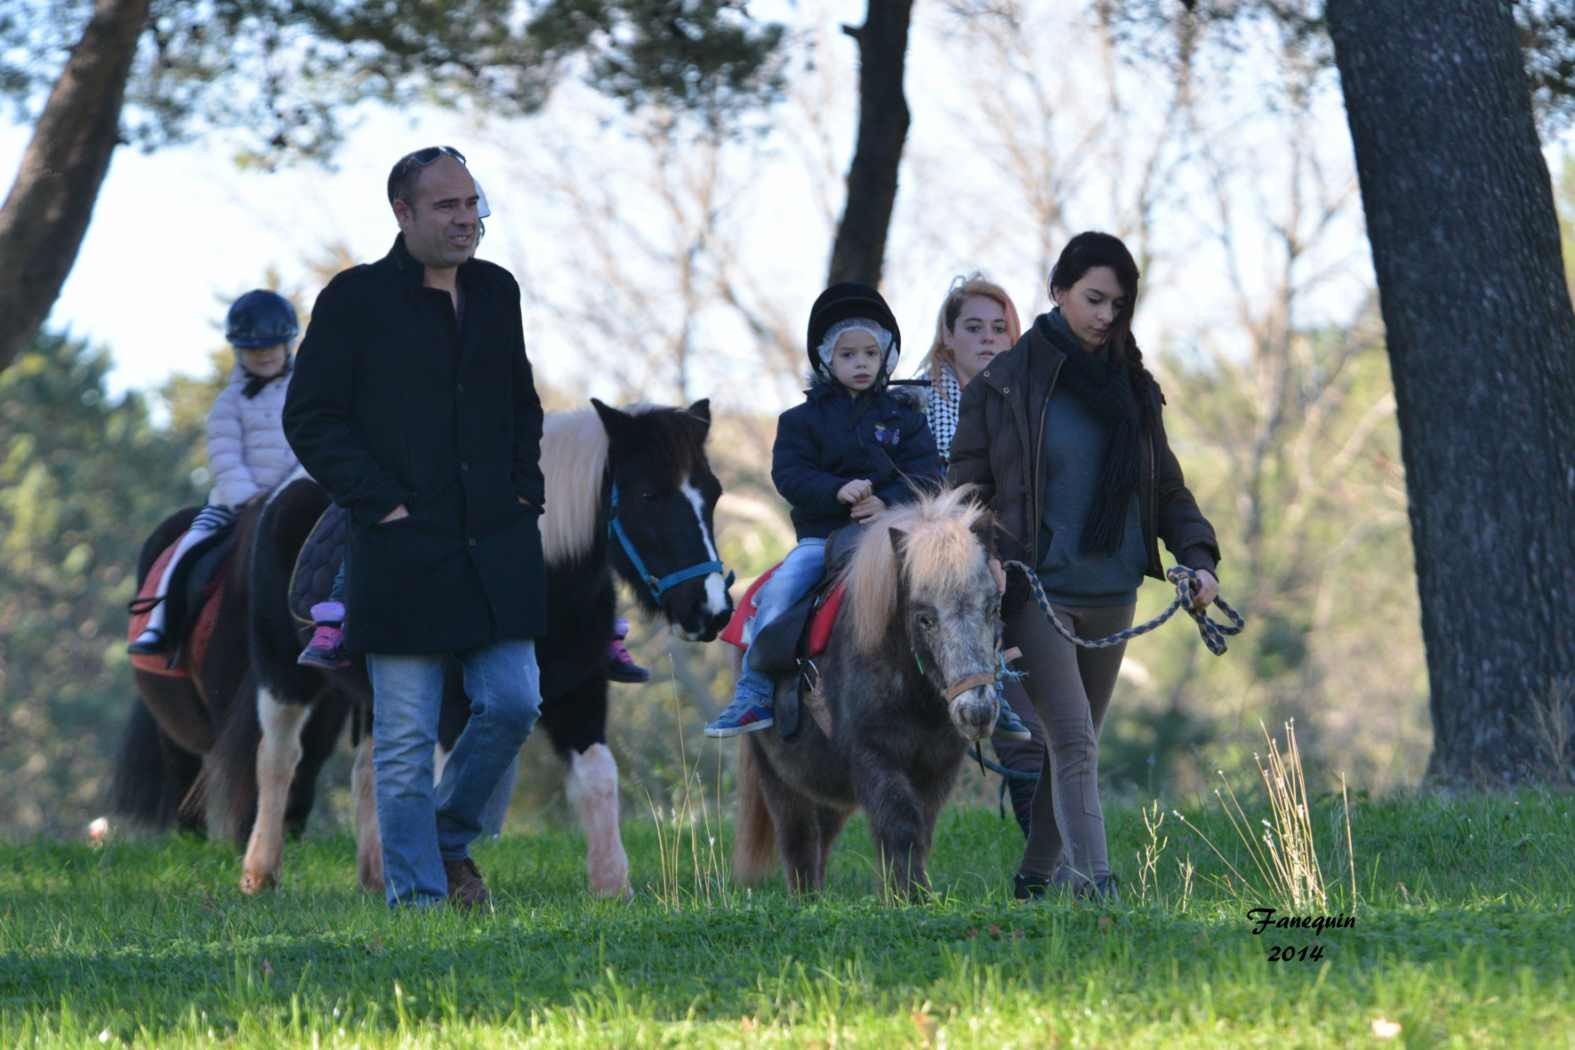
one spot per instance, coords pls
(157, 646)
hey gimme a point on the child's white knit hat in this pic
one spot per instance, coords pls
(882, 337)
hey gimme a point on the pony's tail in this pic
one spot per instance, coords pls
(755, 837)
(153, 776)
(230, 779)
(137, 791)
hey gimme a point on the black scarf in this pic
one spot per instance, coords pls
(1119, 397)
(255, 383)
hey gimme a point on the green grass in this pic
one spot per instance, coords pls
(1463, 938)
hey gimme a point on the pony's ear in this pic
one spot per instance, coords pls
(899, 544)
(983, 529)
(696, 420)
(616, 423)
(701, 410)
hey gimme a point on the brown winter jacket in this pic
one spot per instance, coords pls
(999, 447)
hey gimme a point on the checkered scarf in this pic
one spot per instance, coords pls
(941, 410)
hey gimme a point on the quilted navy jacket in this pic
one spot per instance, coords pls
(832, 439)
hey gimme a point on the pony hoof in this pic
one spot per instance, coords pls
(620, 891)
(370, 876)
(623, 896)
(254, 882)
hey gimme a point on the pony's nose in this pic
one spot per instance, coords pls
(704, 634)
(973, 713)
(717, 623)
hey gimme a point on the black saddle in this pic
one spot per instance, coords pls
(315, 567)
(780, 647)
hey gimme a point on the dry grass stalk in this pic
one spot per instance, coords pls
(1553, 724)
(1282, 849)
(686, 822)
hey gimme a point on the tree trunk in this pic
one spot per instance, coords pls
(1481, 338)
(46, 214)
(883, 127)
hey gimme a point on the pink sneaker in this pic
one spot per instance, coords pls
(620, 662)
(326, 649)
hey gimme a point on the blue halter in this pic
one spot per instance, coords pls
(659, 587)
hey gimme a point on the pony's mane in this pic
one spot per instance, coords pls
(573, 458)
(942, 552)
(574, 450)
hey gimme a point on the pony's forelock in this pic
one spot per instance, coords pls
(942, 554)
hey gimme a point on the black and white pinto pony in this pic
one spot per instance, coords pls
(629, 492)
(907, 682)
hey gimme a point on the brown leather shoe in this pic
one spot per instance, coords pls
(465, 888)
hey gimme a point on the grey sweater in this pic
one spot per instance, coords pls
(1074, 449)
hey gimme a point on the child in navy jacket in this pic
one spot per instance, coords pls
(844, 455)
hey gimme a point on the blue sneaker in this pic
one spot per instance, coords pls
(743, 715)
(1009, 727)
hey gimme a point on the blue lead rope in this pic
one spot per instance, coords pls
(658, 586)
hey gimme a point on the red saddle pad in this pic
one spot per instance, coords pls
(201, 632)
(820, 626)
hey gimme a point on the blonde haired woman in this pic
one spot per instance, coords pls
(977, 322)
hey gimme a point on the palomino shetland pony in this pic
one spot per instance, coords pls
(908, 679)
(627, 491)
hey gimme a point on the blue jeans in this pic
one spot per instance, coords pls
(497, 807)
(799, 571)
(423, 826)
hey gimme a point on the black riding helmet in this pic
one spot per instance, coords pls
(261, 318)
(848, 300)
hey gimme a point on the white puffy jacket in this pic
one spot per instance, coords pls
(247, 452)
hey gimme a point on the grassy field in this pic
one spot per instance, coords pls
(1462, 938)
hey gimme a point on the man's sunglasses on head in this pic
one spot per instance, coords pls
(419, 159)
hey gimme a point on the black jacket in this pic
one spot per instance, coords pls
(394, 402)
(832, 439)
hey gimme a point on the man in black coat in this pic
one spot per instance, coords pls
(413, 405)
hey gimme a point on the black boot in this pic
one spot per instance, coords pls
(151, 642)
(1103, 890)
(1027, 887)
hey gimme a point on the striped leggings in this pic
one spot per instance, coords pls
(209, 519)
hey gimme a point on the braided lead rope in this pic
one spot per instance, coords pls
(1213, 632)
(1214, 635)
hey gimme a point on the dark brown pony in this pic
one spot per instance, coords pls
(173, 728)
